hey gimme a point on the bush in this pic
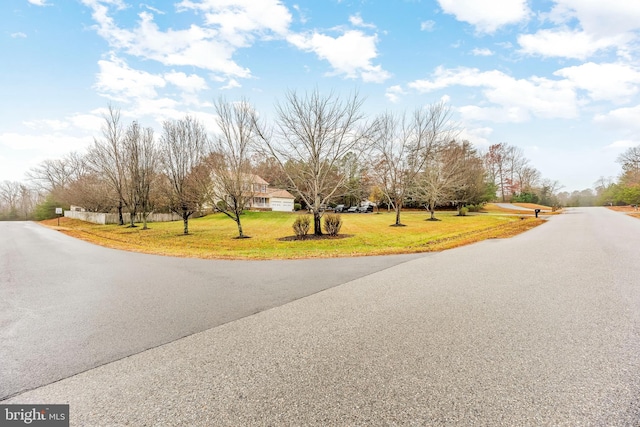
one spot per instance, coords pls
(463, 211)
(474, 208)
(301, 225)
(332, 224)
(297, 206)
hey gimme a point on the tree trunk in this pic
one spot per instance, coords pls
(317, 224)
(185, 221)
(397, 206)
(144, 221)
(432, 210)
(240, 233)
(132, 217)
(120, 217)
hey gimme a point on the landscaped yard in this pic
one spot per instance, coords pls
(361, 234)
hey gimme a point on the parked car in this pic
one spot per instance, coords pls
(365, 209)
(339, 208)
(352, 209)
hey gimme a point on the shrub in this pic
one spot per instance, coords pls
(301, 225)
(463, 211)
(297, 206)
(332, 224)
(474, 208)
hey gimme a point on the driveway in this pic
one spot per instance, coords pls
(540, 329)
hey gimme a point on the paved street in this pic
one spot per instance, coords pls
(67, 306)
(540, 329)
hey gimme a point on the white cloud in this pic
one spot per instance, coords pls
(231, 24)
(487, 15)
(232, 84)
(584, 28)
(482, 52)
(39, 2)
(621, 119)
(604, 82)
(536, 96)
(117, 81)
(189, 83)
(427, 25)
(623, 143)
(357, 21)
(394, 93)
(18, 35)
(240, 21)
(597, 17)
(350, 54)
(478, 136)
(567, 43)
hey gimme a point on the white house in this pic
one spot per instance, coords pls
(268, 198)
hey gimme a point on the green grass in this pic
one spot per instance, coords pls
(213, 236)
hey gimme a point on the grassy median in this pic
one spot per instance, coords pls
(361, 234)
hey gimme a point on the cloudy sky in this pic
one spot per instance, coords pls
(559, 78)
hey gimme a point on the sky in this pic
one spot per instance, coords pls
(558, 78)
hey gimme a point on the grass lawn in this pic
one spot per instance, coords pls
(361, 234)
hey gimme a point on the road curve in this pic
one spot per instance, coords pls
(540, 329)
(67, 306)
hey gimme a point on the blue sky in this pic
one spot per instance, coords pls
(558, 78)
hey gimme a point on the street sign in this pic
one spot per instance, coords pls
(58, 211)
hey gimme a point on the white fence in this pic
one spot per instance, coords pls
(112, 218)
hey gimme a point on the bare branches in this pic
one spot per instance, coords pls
(403, 147)
(183, 148)
(232, 179)
(107, 156)
(312, 135)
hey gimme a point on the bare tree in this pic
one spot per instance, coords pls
(230, 162)
(442, 177)
(312, 134)
(10, 192)
(106, 157)
(183, 148)
(55, 175)
(401, 148)
(509, 169)
(141, 168)
(357, 182)
(495, 164)
(93, 192)
(395, 159)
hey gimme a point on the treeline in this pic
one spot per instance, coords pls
(321, 148)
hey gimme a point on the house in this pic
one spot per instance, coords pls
(263, 197)
(267, 198)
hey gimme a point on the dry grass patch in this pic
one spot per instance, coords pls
(361, 234)
(629, 210)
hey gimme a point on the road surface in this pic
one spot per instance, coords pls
(67, 306)
(540, 329)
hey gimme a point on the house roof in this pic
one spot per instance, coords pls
(283, 194)
(258, 180)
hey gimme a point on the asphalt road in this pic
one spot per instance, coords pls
(540, 329)
(67, 306)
